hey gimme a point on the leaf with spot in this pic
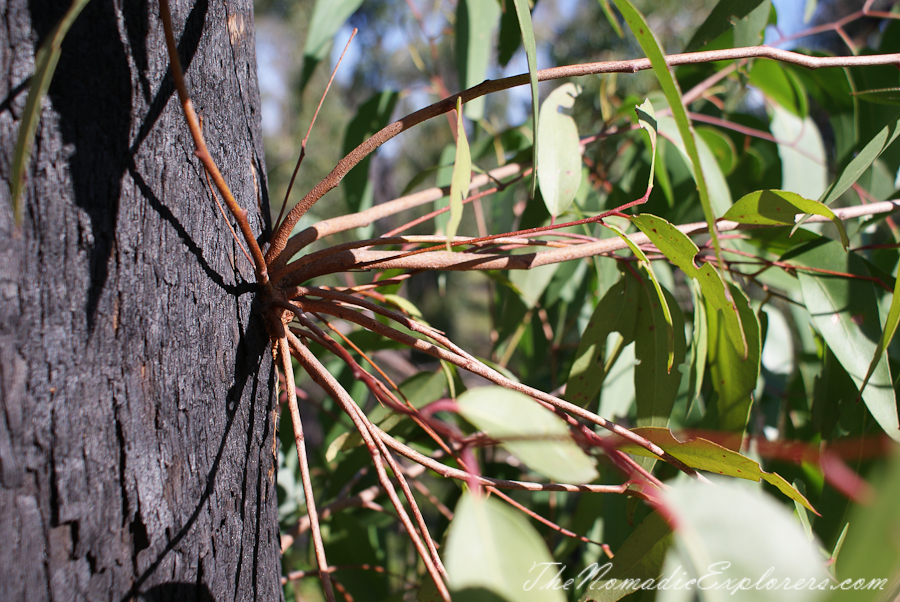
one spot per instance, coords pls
(844, 308)
(774, 207)
(559, 156)
(702, 454)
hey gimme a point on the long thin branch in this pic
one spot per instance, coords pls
(463, 261)
(239, 213)
(280, 239)
(319, 547)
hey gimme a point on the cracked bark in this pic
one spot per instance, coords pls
(135, 377)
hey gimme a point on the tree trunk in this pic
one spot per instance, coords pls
(136, 440)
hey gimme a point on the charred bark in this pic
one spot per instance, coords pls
(135, 375)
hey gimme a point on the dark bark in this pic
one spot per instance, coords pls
(135, 375)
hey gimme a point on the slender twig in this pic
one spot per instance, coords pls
(312, 122)
(299, 440)
(202, 153)
(281, 236)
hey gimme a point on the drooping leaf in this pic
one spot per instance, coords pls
(647, 120)
(722, 18)
(737, 537)
(559, 155)
(803, 161)
(681, 250)
(890, 329)
(532, 283)
(462, 176)
(476, 22)
(327, 18)
(861, 162)
(780, 207)
(845, 311)
(45, 62)
(641, 557)
(656, 380)
(531, 433)
(616, 312)
(699, 344)
(523, 12)
(371, 116)
(662, 301)
(703, 454)
(722, 148)
(809, 10)
(494, 553)
(733, 377)
(781, 85)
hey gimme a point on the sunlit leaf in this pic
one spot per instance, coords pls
(731, 536)
(533, 434)
(681, 251)
(559, 155)
(640, 557)
(890, 329)
(703, 454)
(492, 551)
(722, 148)
(462, 176)
(327, 18)
(722, 18)
(476, 22)
(45, 62)
(772, 207)
(523, 12)
(750, 30)
(781, 85)
(532, 283)
(845, 310)
(647, 120)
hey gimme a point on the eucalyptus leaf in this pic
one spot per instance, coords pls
(559, 155)
(327, 18)
(722, 18)
(476, 22)
(462, 176)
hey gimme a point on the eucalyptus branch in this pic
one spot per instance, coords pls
(465, 261)
(280, 239)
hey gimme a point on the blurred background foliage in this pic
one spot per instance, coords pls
(530, 323)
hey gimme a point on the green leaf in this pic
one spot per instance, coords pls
(476, 21)
(734, 538)
(656, 383)
(861, 162)
(780, 85)
(616, 312)
(462, 176)
(809, 10)
(773, 207)
(702, 454)
(681, 250)
(845, 311)
(699, 344)
(493, 549)
(733, 378)
(890, 328)
(662, 303)
(611, 17)
(647, 120)
(327, 18)
(524, 15)
(531, 433)
(640, 557)
(722, 18)
(750, 30)
(871, 550)
(45, 62)
(803, 162)
(559, 156)
(882, 96)
(371, 116)
(722, 148)
(532, 283)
